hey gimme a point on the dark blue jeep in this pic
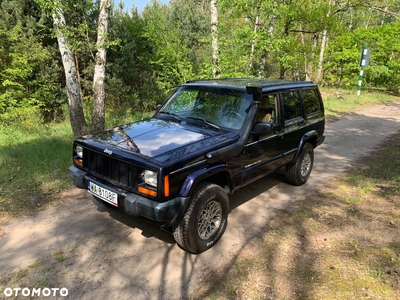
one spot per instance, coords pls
(209, 138)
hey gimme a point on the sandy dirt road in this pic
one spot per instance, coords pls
(101, 253)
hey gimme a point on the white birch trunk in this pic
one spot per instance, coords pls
(73, 87)
(214, 35)
(98, 113)
(321, 55)
(310, 65)
(254, 40)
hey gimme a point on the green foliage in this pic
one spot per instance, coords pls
(171, 59)
(26, 82)
(343, 63)
(131, 80)
(17, 65)
(233, 45)
(150, 53)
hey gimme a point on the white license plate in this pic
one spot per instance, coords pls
(103, 193)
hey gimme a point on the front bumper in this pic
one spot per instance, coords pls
(165, 214)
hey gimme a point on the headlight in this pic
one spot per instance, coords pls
(79, 151)
(150, 177)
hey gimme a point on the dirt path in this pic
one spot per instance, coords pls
(100, 253)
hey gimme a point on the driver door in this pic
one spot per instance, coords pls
(262, 155)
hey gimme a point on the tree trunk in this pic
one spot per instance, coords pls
(77, 118)
(254, 40)
(214, 34)
(264, 54)
(263, 61)
(98, 114)
(310, 65)
(321, 56)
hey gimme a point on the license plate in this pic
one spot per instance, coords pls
(103, 193)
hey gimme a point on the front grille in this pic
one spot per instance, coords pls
(110, 169)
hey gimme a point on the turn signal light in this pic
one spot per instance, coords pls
(78, 163)
(166, 186)
(146, 191)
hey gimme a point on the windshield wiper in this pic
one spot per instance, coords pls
(170, 114)
(205, 121)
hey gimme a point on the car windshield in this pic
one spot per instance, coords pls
(216, 107)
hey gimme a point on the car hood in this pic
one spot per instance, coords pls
(163, 140)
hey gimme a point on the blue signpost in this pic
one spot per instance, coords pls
(364, 62)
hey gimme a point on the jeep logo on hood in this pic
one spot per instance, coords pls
(109, 152)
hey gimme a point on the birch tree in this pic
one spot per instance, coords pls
(319, 76)
(98, 115)
(72, 85)
(324, 40)
(69, 60)
(214, 34)
(254, 39)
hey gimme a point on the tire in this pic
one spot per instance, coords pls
(205, 219)
(298, 172)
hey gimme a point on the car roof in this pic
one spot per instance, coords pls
(243, 83)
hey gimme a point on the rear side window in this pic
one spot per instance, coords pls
(311, 102)
(291, 105)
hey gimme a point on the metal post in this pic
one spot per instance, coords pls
(364, 61)
(360, 78)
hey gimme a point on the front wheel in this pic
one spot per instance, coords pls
(205, 219)
(298, 172)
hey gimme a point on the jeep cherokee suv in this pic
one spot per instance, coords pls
(209, 138)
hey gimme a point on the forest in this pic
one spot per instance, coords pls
(150, 53)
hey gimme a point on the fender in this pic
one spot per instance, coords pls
(309, 136)
(193, 179)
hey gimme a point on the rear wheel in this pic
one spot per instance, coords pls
(298, 172)
(205, 219)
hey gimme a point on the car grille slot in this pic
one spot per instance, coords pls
(110, 169)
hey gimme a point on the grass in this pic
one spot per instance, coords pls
(342, 243)
(34, 164)
(342, 101)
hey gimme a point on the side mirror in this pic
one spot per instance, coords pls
(261, 128)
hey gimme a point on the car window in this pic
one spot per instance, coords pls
(223, 107)
(291, 105)
(267, 111)
(183, 101)
(311, 102)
